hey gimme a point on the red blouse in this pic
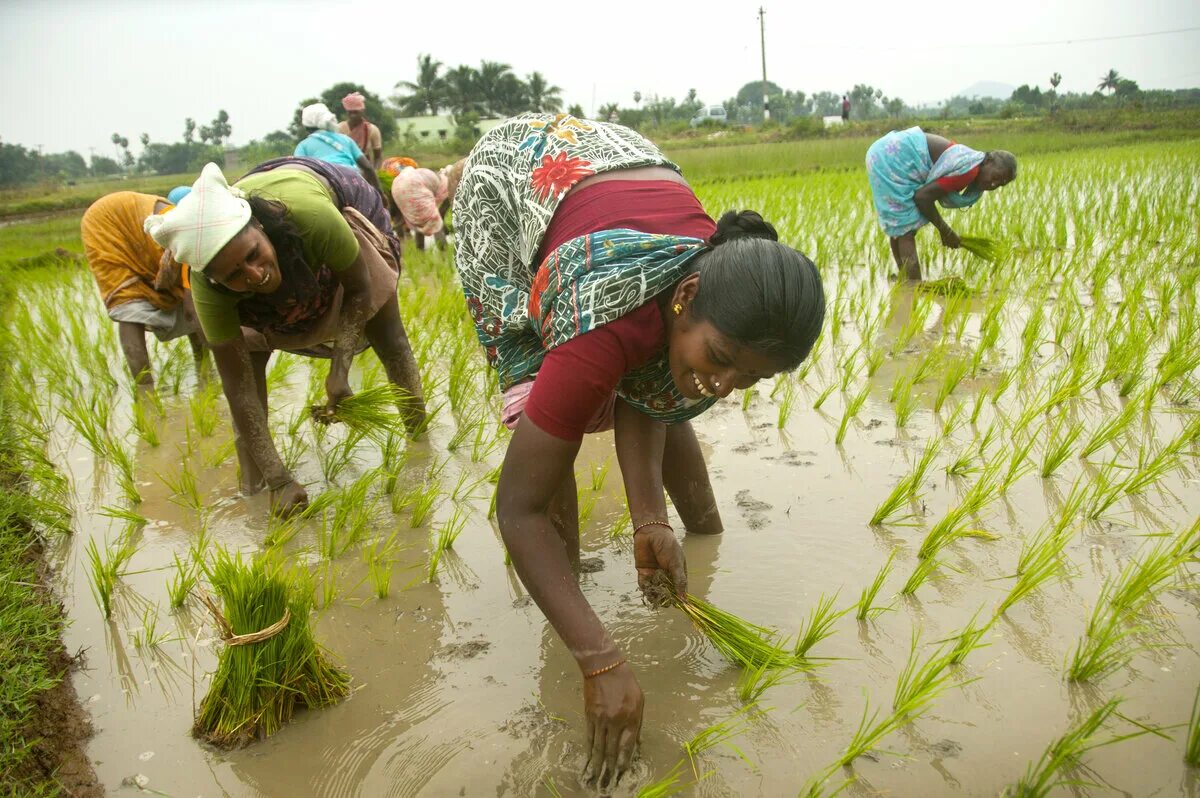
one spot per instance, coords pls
(578, 377)
(957, 183)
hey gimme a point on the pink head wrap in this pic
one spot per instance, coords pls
(354, 102)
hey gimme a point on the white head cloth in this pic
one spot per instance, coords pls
(203, 222)
(319, 116)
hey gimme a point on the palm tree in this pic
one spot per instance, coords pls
(501, 91)
(427, 93)
(1109, 81)
(462, 90)
(542, 97)
(1055, 79)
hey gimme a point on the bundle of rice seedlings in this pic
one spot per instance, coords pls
(747, 644)
(947, 286)
(371, 411)
(983, 248)
(270, 662)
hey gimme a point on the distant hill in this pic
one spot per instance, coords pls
(987, 88)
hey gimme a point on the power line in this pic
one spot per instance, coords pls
(980, 46)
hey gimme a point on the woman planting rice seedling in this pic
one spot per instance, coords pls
(911, 171)
(606, 297)
(299, 252)
(125, 262)
(423, 197)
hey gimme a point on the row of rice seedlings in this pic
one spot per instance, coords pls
(260, 679)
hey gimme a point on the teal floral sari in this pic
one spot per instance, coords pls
(512, 182)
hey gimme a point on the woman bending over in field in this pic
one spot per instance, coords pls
(125, 262)
(911, 171)
(606, 298)
(301, 252)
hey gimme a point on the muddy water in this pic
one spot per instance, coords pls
(461, 688)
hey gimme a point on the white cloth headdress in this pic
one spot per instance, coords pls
(319, 116)
(203, 222)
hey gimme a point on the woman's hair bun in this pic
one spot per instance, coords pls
(746, 224)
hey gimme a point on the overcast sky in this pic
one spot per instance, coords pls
(73, 73)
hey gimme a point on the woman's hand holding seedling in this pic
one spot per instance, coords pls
(657, 554)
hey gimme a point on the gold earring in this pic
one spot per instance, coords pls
(678, 308)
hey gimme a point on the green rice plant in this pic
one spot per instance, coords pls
(1108, 432)
(91, 421)
(600, 474)
(424, 501)
(786, 404)
(852, 408)
(719, 733)
(952, 286)
(337, 458)
(925, 569)
(379, 568)
(1018, 463)
(374, 411)
(1061, 441)
(746, 644)
(870, 732)
(203, 405)
(1039, 562)
(953, 373)
(466, 429)
(986, 249)
(1106, 491)
(820, 400)
(621, 527)
(922, 681)
(918, 314)
(1107, 645)
(1151, 469)
(1051, 771)
(747, 396)
(905, 400)
(1191, 752)
(928, 365)
(819, 625)
(122, 458)
(953, 421)
(967, 639)
(587, 505)
(145, 420)
(753, 682)
(670, 784)
(181, 583)
(270, 663)
(815, 786)
(149, 635)
(1145, 577)
(293, 449)
(133, 520)
(866, 608)
(184, 490)
(106, 568)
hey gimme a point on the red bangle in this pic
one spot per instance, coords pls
(642, 526)
(605, 669)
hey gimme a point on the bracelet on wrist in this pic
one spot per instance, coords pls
(645, 524)
(605, 669)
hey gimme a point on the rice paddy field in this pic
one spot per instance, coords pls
(963, 536)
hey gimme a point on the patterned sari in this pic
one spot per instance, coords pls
(899, 164)
(512, 182)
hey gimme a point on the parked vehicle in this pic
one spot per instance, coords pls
(712, 113)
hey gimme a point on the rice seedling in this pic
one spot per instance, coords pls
(184, 490)
(786, 404)
(747, 397)
(815, 786)
(1108, 432)
(203, 405)
(337, 458)
(133, 520)
(374, 411)
(621, 527)
(106, 568)
(1059, 445)
(746, 644)
(905, 400)
(1107, 646)
(1065, 753)
(753, 682)
(719, 733)
(600, 474)
(819, 625)
(670, 784)
(870, 732)
(925, 569)
(967, 639)
(985, 249)
(145, 420)
(181, 583)
(270, 663)
(866, 609)
(1018, 463)
(379, 568)
(825, 394)
(922, 681)
(852, 408)
(1039, 562)
(149, 635)
(424, 500)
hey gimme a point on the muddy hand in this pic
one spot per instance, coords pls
(288, 498)
(657, 554)
(612, 702)
(336, 390)
(950, 239)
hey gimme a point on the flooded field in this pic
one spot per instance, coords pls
(1026, 442)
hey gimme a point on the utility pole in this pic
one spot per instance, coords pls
(762, 33)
